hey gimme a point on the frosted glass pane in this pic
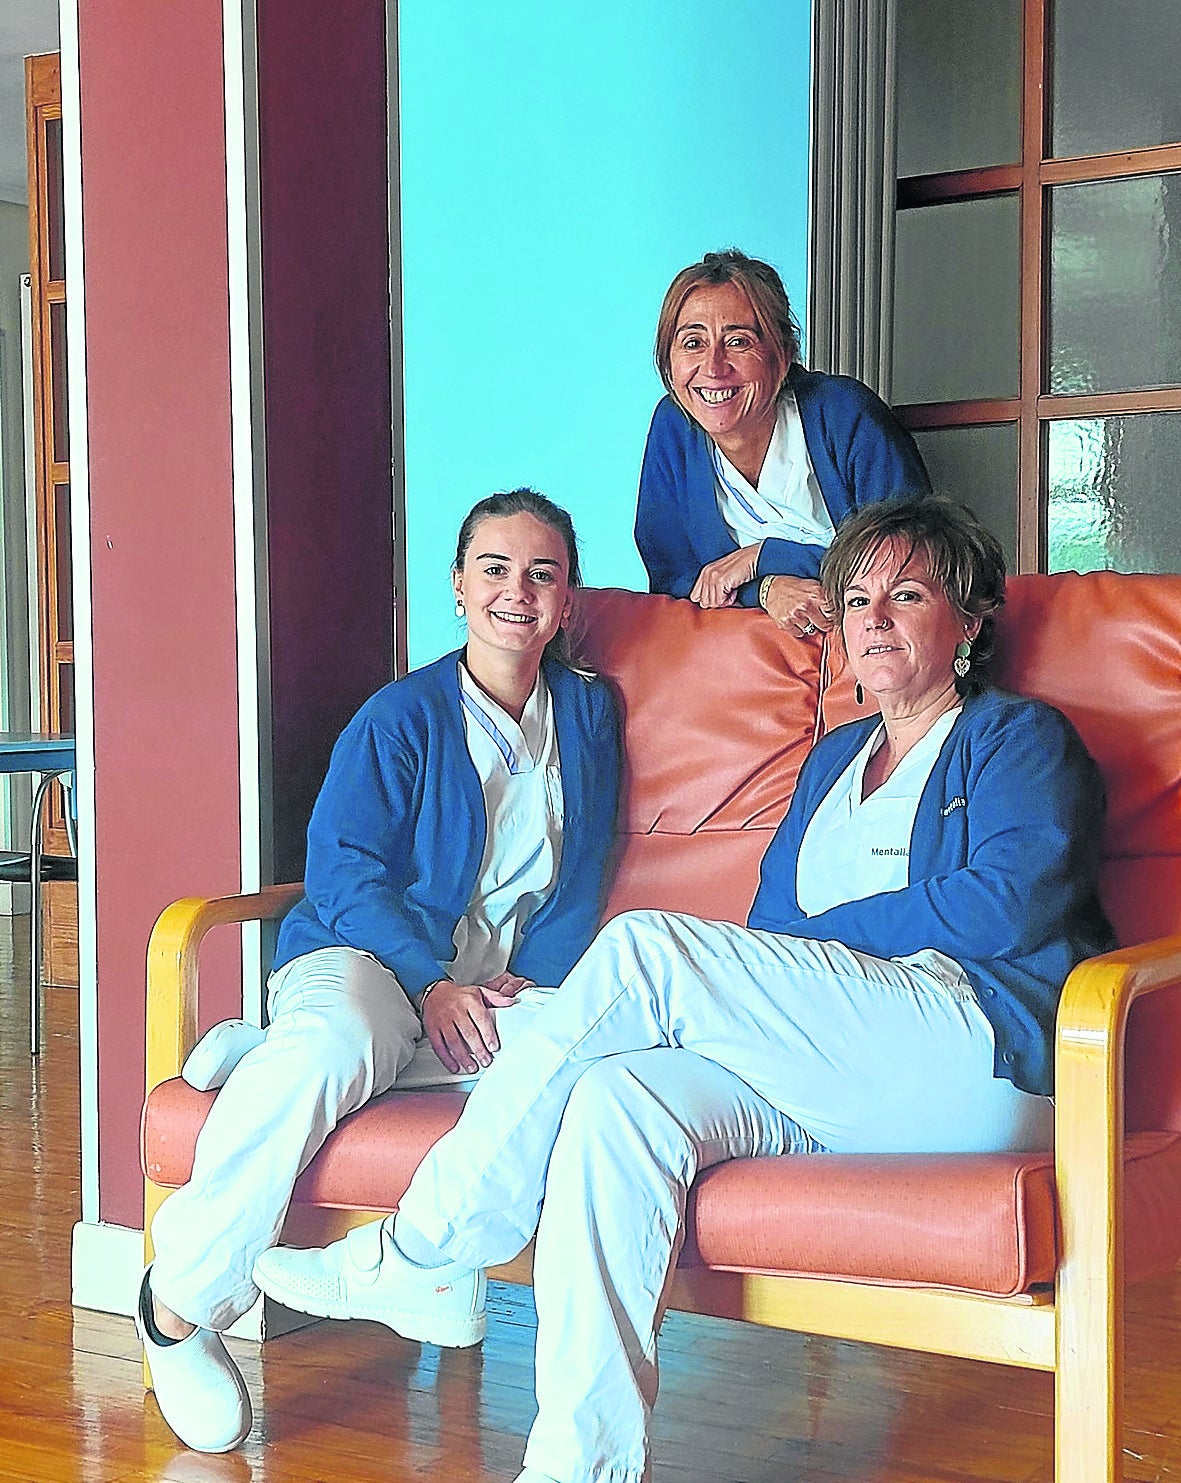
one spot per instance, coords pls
(1115, 285)
(1115, 71)
(54, 207)
(959, 85)
(979, 466)
(1113, 502)
(64, 563)
(65, 680)
(956, 301)
(58, 377)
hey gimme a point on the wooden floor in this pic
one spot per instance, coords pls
(350, 1403)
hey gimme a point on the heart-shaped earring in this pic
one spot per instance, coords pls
(962, 662)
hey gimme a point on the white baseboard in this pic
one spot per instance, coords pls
(107, 1266)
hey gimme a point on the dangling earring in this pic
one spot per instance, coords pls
(858, 693)
(459, 608)
(962, 662)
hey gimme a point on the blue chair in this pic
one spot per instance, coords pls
(32, 867)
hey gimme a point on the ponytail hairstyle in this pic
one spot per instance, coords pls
(525, 501)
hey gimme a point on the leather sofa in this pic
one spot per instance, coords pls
(1009, 1258)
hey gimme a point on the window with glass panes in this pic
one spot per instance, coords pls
(1037, 313)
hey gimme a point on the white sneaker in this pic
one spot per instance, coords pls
(209, 1063)
(366, 1276)
(199, 1388)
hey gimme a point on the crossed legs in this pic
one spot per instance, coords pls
(865, 1054)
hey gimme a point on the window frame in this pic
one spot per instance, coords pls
(1030, 179)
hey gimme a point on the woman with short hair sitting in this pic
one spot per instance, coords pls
(895, 989)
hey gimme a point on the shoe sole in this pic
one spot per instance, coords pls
(456, 1333)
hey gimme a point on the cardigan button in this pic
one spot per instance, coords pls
(1008, 1058)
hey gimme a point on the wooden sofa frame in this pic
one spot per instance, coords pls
(1076, 1330)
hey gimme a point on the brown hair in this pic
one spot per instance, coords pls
(525, 502)
(759, 282)
(964, 557)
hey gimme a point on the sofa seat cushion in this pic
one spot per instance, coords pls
(366, 1163)
(981, 1223)
(984, 1223)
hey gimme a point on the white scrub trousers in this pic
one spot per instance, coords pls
(340, 1031)
(673, 1045)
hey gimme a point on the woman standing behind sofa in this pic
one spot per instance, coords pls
(457, 855)
(752, 461)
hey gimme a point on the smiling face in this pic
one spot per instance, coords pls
(901, 631)
(723, 371)
(515, 587)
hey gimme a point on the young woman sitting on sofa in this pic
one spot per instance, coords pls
(751, 460)
(457, 856)
(920, 906)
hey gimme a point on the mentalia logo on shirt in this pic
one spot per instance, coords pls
(957, 802)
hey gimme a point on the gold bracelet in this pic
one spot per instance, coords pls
(764, 590)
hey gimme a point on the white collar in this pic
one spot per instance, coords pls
(520, 744)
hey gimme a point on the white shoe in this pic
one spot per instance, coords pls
(199, 1388)
(209, 1063)
(366, 1276)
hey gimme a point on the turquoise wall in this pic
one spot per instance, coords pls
(559, 164)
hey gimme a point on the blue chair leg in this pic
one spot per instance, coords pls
(35, 916)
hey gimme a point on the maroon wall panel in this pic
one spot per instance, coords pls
(166, 723)
(325, 239)
(166, 783)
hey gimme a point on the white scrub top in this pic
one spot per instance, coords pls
(855, 847)
(521, 775)
(787, 503)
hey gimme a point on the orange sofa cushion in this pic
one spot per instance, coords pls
(982, 1223)
(720, 709)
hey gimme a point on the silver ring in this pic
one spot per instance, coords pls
(809, 628)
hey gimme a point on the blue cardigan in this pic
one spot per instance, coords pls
(1004, 860)
(859, 453)
(397, 834)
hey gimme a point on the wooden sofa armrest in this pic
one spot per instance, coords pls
(172, 967)
(1089, 1170)
(1089, 1078)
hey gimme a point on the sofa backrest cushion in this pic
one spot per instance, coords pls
(720, 710)
(1106, 649)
